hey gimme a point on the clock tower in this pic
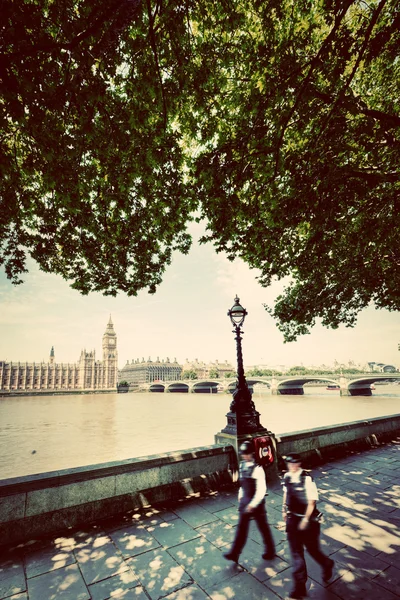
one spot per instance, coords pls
(110, 357)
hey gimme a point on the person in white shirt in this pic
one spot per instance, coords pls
(251, 504)
(300, 512)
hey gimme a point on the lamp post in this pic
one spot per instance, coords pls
(243, 418)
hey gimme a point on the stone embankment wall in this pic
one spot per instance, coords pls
(37, 505)
(317, 445)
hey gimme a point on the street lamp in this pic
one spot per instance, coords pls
(243, 417)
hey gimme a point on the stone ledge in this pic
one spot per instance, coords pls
(39, 481)
(319, 444)
(38, 505)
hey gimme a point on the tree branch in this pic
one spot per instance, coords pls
(153, 44)
(350, 78)
(314, 63)
(389, 119)
(90, 31)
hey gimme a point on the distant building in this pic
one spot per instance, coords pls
(203, 369)
(138, 371)
(381, 368)
(87, 374)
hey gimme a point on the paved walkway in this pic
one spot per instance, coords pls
(175, 552)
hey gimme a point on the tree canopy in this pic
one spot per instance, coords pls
(275, 121)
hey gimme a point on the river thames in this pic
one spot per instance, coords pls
(48, 433)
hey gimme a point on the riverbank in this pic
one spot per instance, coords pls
(174, 550)
(43, 503)
(23, 393)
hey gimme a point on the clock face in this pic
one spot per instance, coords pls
(112, 342)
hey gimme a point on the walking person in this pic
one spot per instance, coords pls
(300, 512)
(252, 492)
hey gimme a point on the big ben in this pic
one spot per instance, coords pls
(110, 357)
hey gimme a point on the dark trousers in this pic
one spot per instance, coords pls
(260, 516)
(298, 540)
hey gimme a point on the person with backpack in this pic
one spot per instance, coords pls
(302, 518)
(253, 489)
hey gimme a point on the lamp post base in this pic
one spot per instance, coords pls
(244, 423)
(235, 439)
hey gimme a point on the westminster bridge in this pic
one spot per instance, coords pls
(349, 385)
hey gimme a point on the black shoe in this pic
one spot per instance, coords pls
(299, 592)
(268, 555)
(231, 556)
(327, 574)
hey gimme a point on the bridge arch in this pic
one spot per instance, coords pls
(178, 387)
(251, 381)
(362, 385)
(157, 387)
(294, 386)
(205, 387)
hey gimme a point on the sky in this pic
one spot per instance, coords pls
(185, 319)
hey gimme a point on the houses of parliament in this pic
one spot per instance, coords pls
(90, 375)
(86, 374)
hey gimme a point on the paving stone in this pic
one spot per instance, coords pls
(374, 539)
(279, 535)
(159, 573)
(280, 584)
(315, 571)
(168, 515)
(191, 592)
(218, 533)
(194, 515)
(390, 556)
(133, 540)
(173, 533)
(387, 470)
(12, 577)
(252, 561)
(353, 587)
(390, 580)
(348, 503)
(240, 586)
(396, 513)
(361, 535)
(334, 515)
(117, 586)
(10, 564)
(217, 502)
(329, 545)
(83, 539)
(274, 516)
(119, 522)
(47, 558)
(283, 551)
(148, 518)
(100, 560)
(359, 562)
(273, 501)
(65, 542)
(203, 561)
(230, 515)
(318, 592)
(383, 505)
(63, 584)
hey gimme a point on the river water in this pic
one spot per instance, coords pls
(48, 433)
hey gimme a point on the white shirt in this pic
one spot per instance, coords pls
(261, 487)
